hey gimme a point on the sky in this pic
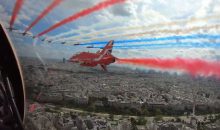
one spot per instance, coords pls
(129, 20)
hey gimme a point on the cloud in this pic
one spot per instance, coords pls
(4, 17)
(121, 10)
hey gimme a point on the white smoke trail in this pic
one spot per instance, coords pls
(153, 26)
(149, 33)
(56, 37)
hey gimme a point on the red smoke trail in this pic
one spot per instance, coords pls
(192, 66)
(82, 13)
(44, 13)
(16, 9)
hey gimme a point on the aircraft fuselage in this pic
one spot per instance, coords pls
(92, 59)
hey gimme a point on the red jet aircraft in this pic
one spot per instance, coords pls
(102, 57)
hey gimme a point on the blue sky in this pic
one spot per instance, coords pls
(131, 17)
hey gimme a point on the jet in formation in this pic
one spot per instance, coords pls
(103, 57)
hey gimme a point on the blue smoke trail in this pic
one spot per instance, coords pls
(169, 45)
(194, 36)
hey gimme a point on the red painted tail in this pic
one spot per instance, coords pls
(108, 48)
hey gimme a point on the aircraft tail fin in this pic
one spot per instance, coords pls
(108, 48)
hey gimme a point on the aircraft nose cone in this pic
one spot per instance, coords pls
(73, 59)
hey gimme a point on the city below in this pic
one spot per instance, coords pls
(66, 96)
